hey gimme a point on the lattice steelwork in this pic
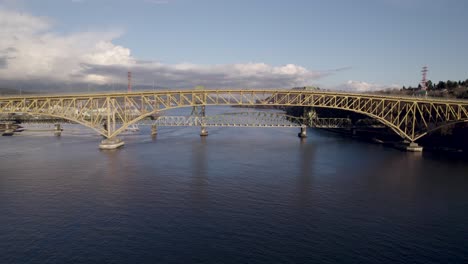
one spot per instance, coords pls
(330, 123)
(237, 119)
(243, 119)
(110, 113)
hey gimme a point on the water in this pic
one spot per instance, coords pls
(238, 196)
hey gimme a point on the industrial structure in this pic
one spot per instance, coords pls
(109, 114)
(424, 80)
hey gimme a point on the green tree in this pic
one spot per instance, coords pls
(440, 85)
(451, 85)
(429, 85)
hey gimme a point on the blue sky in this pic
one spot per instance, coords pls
(378, 43)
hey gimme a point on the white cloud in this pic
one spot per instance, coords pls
(31, 50)
(359, 86)
(17, 23)
(36, 52)
(250, 75)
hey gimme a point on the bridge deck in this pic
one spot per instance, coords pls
(110, 113)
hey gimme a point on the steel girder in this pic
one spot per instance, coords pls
(110, 113)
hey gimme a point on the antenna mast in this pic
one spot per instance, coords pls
(424, 79)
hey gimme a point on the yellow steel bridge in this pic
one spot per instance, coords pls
(111, 113)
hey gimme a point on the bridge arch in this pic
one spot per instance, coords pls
(122, 128)
(143, 116)
(390, 125)
(78, 121)
(411, 118)
(396, 129)
(432, 130)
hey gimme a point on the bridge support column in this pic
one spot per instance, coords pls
(414, 147)
(9, 130)
(154, 130)
(58, 130)
(111, 143)
(303, 133)
(203, 132)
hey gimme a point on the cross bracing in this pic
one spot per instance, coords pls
(111, 113)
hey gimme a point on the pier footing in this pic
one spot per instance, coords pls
(154, 130)
(303, 133)
(7, 130)
(111, 143)
(58, 130)
(414, 147)
(203, 132)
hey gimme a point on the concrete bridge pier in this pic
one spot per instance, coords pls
(201, 114)
(303, 133)
(414, 147)
(111, 143)
(9, 130)
(154, 130)
(58, 130)
(203, 132)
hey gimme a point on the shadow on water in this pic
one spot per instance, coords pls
(304, 182)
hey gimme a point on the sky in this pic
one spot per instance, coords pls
(334, 44)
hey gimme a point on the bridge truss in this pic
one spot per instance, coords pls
(330, 123)
(243, 119)
(235, 119)
(111, 113)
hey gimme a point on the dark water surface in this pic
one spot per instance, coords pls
(239, 196)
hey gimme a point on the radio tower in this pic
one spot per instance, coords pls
(130, 107)
(129, 89)
(424, 80)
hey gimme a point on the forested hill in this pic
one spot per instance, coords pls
(453, 89)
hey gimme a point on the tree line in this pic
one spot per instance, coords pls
(457, 89)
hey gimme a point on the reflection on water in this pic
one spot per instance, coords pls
(306, 152)
(236, 196)
(198, 186)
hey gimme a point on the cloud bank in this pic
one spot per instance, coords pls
(359, 86)
(31, 50)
